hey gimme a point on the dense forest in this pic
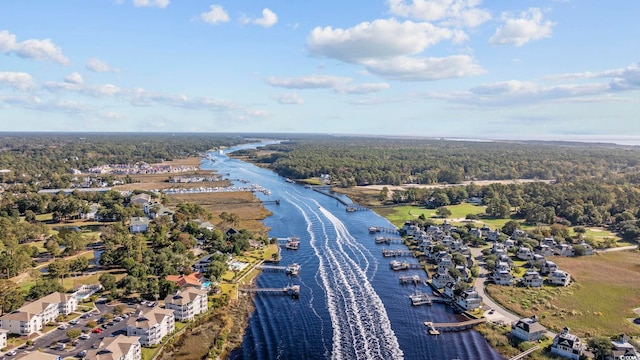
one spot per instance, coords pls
(365, 161)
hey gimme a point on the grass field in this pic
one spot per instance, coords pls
(599, 302)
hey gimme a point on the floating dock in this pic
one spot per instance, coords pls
(380, 229)
(290, 243)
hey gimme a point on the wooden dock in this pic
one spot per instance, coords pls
(419, 298)
(403, 265)
(380, 229)
(291, 290)
(398, 253)
(291, 269)
(415, 280)
(291, 243)
(457, 326)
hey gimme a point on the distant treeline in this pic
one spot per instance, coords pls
(34, 157)
(366, 161)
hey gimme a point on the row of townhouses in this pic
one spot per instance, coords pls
(32, 316)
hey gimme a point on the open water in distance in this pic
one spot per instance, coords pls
(351, 304)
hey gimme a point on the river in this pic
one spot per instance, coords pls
(351, 304)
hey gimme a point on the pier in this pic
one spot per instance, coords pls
(291, 269)
(380, 229)
(457, 326)
(326, 190)
(291, 290)
(398, 253)
(388, 240)
(271, 202)
(415, 280)
(354, 207)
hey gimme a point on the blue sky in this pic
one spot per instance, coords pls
(467, 68)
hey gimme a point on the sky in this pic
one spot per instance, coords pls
(443, 68)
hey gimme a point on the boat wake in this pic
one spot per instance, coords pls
(361, 326)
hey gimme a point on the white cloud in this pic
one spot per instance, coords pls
(268, 19)
(452, 12)
(17, 80)
(151, 3)
(338, 84)
(216, 14)
(74, 78)
(43, 50)
(378, 39)
(288, 99)
(97, 65)
(621, 79)
(406, 68)
(529, 26)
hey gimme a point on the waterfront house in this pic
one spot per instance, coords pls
(469, 300)
(120, 347)
(528, 329)
(450, 290)
(187, 303)
(409, 229)
(439, 280)
(32, 316)
(567, 345)
(532, 279)
(138, 224)
(559, 277)
(194, 280)
(151, 325)
(445, 263)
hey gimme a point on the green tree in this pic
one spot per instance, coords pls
(601, 347)
(443, 212)
(107, 280)
(74, 333)
(510, 226)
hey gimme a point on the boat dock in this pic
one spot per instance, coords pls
(388, 240)
(380, 229)
(291, 243)
(291, 290)
(398, 253)
(291, 269)
(419, 298)
(403, 265)
(457, 326)
(326, 190)
(415, 280)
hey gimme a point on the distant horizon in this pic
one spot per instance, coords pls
(620, 140)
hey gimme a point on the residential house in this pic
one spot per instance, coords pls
(517, 234)
(194, 280)
(532, 279)
(623, 350)
(567, 345)
(564, 250)
(543, 250)
(469, 299)
(528, 329)
(140, 199)
(503, 277)
(493, 235)
(187, 303)
(559, 277)
(450, 290)
(476, 232)
(138, 224)
(510, 244)
(120, 347)
(151, 325)
(91, 213)
(439, 280)
(409, 229)
(537, 260)
(547, 267)
(445, 263)
(588, 249)
(32, 316)
(550, 241)
(524, 253)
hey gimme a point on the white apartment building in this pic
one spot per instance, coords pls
(151, 325)
(187, 303)
(32, 316)
(120, 347)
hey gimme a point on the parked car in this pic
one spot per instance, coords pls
(117, 319)
(62, 327)
(82, 354)
(74, 322)
(11, 353)
(96, 330)
(85, 337)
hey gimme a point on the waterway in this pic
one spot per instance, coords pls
(351, 305)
